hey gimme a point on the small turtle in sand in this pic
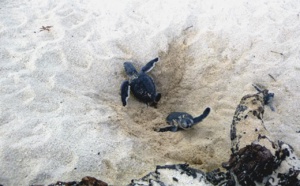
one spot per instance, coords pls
(141, 85)
(182, 121)
(268, 98)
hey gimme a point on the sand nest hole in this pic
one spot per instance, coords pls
(138, 120)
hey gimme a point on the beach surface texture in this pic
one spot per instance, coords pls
(61, 64)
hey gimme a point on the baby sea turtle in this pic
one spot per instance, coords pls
(182, 121)
(141, 85)
(268, 97)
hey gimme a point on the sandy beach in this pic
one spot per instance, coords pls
(61, 115)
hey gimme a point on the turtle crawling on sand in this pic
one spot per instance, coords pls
(141, 85)
(182, 121)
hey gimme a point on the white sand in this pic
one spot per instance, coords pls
(61, 116)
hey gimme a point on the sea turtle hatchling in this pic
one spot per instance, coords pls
(268, 97)
(182, 121)
(141, 85)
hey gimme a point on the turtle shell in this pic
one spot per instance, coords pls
(143, 88)
(181, 119)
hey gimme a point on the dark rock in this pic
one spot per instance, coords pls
(251, 164)
(86, 181)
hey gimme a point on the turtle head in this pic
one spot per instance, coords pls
(129, 69)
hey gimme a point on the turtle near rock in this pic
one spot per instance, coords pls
(182, 121)
(256, 158)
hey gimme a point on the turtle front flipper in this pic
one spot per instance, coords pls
(157, 97)
(125, 92)
(202, 116)
(167, 128)
(150, 65)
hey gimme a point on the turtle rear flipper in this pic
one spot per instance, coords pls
(202, 116)
(168, 128)
(125, 92)
(150, 65)
(157, 98)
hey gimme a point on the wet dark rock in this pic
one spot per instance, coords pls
(86, 181)
(251, 164)
(290, 178)
(217, 177)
